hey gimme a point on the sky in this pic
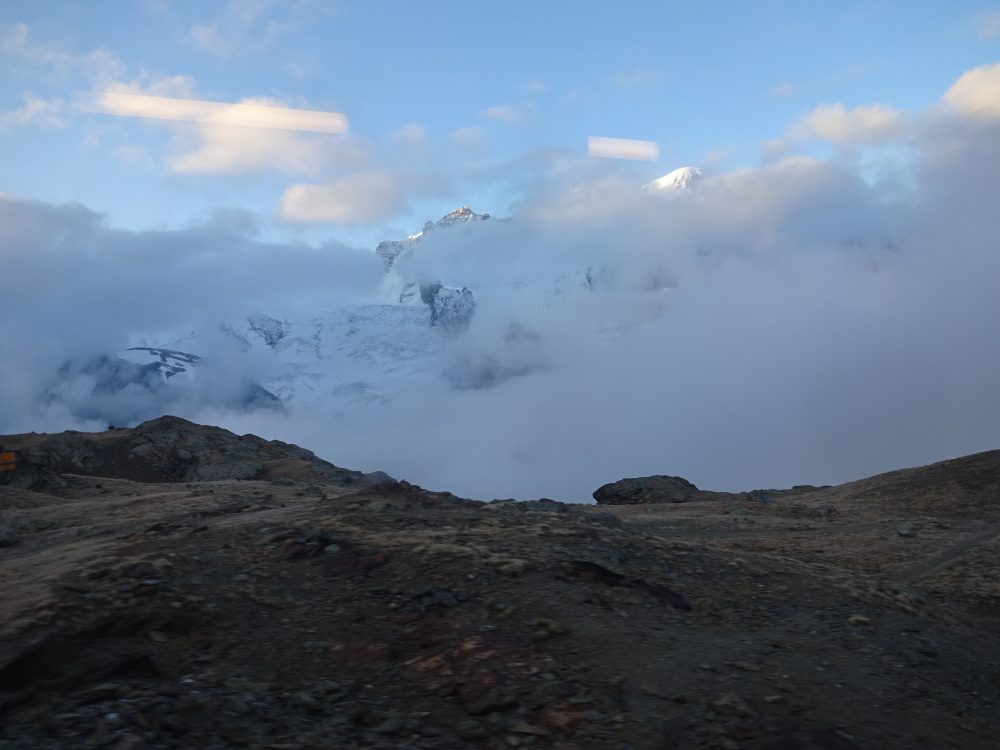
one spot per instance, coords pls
(447, 103)
(821, 305)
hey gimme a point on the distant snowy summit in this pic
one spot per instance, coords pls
(680, 179)
(462, 215)
(451, 307)
(391, 250)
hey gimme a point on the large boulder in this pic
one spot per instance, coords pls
(655, 489)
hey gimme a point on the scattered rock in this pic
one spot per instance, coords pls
(545, 629)
(600, 574)
(437, 597)
(470, 729)
(8, 538)
(605, 519)
(302, 624)
(523, 727)
(129, 741)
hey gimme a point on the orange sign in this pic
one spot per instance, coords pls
(7, 462)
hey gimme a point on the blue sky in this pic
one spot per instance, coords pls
(449, 103)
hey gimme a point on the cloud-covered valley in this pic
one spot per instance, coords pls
(803, 321)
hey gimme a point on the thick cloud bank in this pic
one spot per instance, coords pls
(794, 323)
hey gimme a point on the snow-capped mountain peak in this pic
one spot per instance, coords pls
(390, 250)
(680, 179)
(461, 215)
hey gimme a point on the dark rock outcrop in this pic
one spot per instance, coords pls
(655, 489)
(170, 449)
(451, 307)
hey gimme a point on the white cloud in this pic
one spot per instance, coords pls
(503, 112)
(221, 150)
(871, 123)
(977, 92)
(243, 27)
(988, 25)
(98, 66)
(160, 86)
(359, 198)
(248, 113)
(46, 113)
(622, 148)
(254, 135)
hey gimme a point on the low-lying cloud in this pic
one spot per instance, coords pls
(793, 323)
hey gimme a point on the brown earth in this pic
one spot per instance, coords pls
(214, 591)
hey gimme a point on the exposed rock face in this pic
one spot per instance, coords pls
(451, 307)
(120, 391)
(271, 330)
(655, 489)
(170, 449)
(463, 215)
(391, 251)
(110, 375)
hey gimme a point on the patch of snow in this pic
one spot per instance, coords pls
(680, 179)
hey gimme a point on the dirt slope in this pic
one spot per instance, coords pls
(281, 613)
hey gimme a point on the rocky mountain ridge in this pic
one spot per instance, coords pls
(390, 251)
(336, 358)
(169, 449)
(401, 334)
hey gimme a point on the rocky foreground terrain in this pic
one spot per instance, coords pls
(178, 586)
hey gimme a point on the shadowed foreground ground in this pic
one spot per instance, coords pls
(177, 586)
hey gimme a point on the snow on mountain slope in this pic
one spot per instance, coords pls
(680, 179)
(273, 331)
(335, 358)
(408, 333)
(392, 250)
(144, 381)
(166, 362)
